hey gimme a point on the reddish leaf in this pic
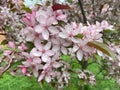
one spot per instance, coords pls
(59, 6)
(102, 47)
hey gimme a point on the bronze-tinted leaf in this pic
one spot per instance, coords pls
(60, 7)
(102, 47)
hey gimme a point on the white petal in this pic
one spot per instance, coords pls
(39, 29)
(37, 43)
(63, 35)
(35, 52)
(50, 52)
(64, 50)
(56, 65)
(30, 37)
(56, 48)
(48, 78)
(45, 34)
(53, 30)
(41, 77)
(45, 58)
(75, 48)
(48, 46)
(55, 41)
(37, 60)
(80, 55)
(35, 72)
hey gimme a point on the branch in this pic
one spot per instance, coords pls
(93, 7)
(3, 34)
(8, 66)
(83, 12)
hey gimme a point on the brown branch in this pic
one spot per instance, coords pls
(3, 34)
(82, 11)
(8, 66)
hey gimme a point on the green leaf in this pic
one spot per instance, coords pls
(9, 29)
(79, 36)
(66, 57)
(15, 64)
(4, 42)
(102, 47)
(30, 46)
(26, 8)
(1, 53)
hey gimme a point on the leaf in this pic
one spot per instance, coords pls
(79, 36)
(60, 7)
(15, 64)
(1, 54)
(4, 42)
(102, 47)
(66, 57)
(30, 46)
(27, 9)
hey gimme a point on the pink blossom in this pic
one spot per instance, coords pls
(11, 44)
(29, 19)
(24, 70)
(43, 51)
(60, 16)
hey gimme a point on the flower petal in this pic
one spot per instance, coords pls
(48, 46)
(45, 34)
(53, 30)
(64, 50)
(45, 58)
(40, 78)
(35, 52)
(63, 35)
(50, 52)
(48, 78)
(80, 55)
(39, 28)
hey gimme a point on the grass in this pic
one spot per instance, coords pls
(8, 82)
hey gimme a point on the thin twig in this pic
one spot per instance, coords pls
(3, 34)
(83, 12)
(8, 66)
(93, 7)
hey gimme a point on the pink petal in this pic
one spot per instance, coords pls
(56, 48)
(48, 78)
(35, 52)
(39, 29)
(45, 58)
(37, 60)
(56, 65)
(80, 55)
(48, 46)
(24, 70)
(45, 34)
(37, 43)
(50, 52)
(7, 52)
(41, 77)
(63, 35)
(62, 17)
(35, 72)
(11, 44)
(64, 50)
(53, 30)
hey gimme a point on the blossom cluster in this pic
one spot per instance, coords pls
(52, 40)
(51, 35)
